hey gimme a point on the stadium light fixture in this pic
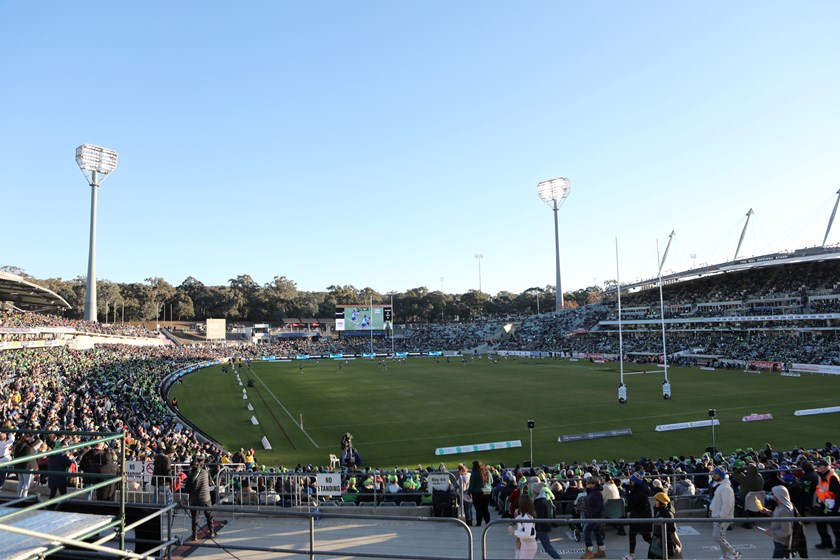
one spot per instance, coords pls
(96, 163)
(479, 256)
(554, 193)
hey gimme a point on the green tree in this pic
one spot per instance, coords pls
(184, 308)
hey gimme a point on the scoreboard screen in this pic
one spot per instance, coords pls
(362, 317)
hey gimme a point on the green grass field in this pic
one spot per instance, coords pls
(401, 415)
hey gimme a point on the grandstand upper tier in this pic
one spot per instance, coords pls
(805, 255)
(19, 293)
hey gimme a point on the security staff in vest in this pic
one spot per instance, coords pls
(198, 485)
(828, 501)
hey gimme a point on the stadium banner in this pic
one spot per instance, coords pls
(816, 368)
(812, 411)
(687, 425)
(336, 356)
(436, 353)
(254, 420)
(760, 364)
(328, 484)
(302, 357)
(757, 417)
(401, 355)
(478, 447)
(32, 344)
(568, 438)
(265, 443)
(37, 330)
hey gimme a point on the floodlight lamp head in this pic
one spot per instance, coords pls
(554, 191)
(95, 159)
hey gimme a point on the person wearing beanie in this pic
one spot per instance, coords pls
(722, 507)
(664, 535)
(780, 531)
(393, 486)
(803, 498)
(828, 505)
(638, 507)
(593, 507)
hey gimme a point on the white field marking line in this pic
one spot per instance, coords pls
(284, 408)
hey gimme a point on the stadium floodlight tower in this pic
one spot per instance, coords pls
(96, 163)
(554, 193)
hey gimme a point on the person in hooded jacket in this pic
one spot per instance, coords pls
(542, 508)
(780, 531)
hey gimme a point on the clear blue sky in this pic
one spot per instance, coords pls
(384, 144)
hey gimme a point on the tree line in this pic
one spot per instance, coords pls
(243, 299)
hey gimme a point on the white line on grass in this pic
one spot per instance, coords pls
(273, 396)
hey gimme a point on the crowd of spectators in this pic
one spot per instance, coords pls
(112, 388)
(30, 320)
(116, 387)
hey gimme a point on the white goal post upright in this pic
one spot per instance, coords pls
(666, 384)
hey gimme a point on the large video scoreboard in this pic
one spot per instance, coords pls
(362, 317)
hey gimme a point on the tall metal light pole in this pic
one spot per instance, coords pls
(531, 434)
(554, 192)
(479, 256)
(93, 161)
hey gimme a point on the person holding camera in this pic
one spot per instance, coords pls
(198, 486)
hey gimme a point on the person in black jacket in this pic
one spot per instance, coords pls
(593, 507)
(57, 483)
(542, 508)
(638, 507)
(162, 474)
(91, 463)
(198, 485)
(664, 534)
(111, 467)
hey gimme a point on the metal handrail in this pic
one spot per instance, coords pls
(635, 521)
(313, 552)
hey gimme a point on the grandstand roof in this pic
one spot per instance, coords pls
(808, 254)
(26, 296)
